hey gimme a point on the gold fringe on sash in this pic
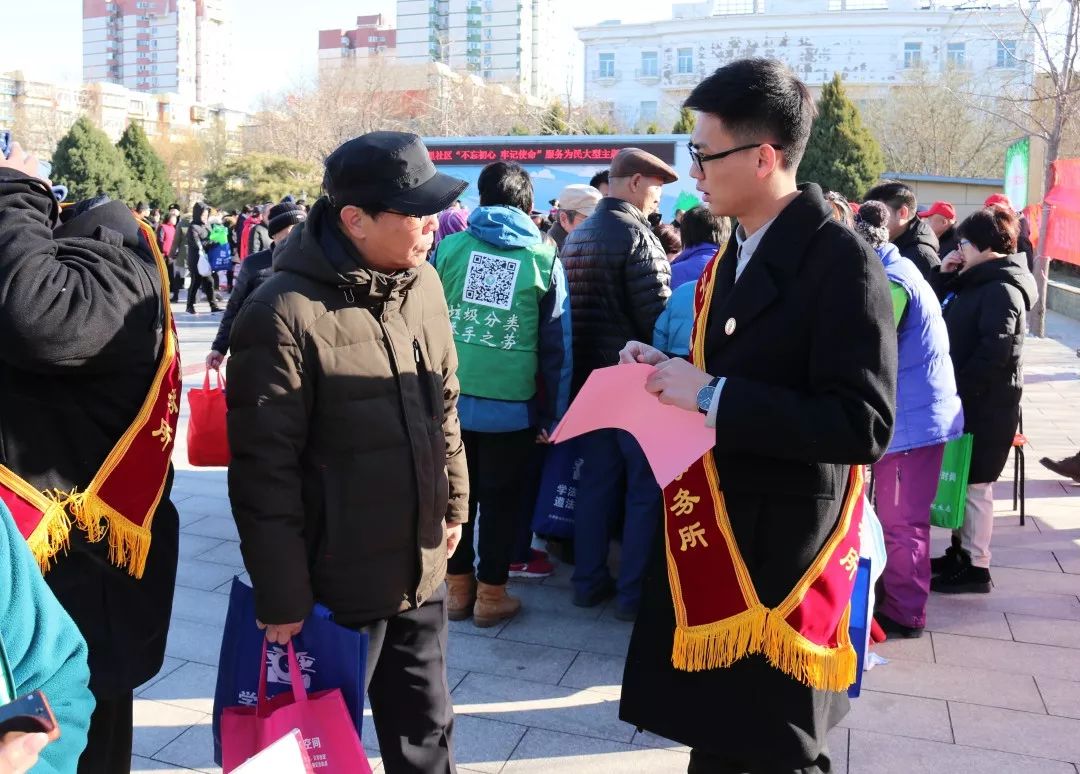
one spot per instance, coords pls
(52, 534)
(720, 644)
(764, 631)
(129, 544)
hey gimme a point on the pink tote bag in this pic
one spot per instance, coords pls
(322, 718)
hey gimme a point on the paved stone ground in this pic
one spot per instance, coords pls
(995, 686)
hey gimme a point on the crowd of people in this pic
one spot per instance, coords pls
(398, 364)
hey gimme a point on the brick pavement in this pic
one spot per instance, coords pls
(994, 686)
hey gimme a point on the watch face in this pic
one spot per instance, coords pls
(704, 397)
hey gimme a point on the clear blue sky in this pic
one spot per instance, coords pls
(277, 39)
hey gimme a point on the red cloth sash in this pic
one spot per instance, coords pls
(718, 616)
(121, 499)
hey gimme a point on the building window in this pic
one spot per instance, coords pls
(650, 64)
(912, 55)
(607, 66)
(954, 54)
(858, 5)
(727, 7)
(686, 60)
(648, 110)
(1006, 53)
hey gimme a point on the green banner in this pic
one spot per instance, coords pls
(948, 507)
(1017, 165)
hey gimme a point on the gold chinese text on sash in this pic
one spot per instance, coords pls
(121, 499)
(718, 616)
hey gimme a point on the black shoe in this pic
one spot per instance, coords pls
(955, 557)
(1068, 467)
(191, 310)
(593, 598)
(174, 299)
(215, 309)
(627, 614)
(966, 580)
(898, 630)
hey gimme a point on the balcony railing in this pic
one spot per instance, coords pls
(647, 74)
(606, 76)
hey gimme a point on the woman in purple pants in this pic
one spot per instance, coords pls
(928, 414)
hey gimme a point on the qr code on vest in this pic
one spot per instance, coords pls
(490, 280)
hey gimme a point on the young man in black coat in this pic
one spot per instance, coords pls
(799, 381)
(81, 337)
(912, 235)
(198, 242)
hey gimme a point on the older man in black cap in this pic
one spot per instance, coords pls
(348, 478)
(619, 279)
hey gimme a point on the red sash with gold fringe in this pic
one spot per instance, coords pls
(718, 616)
(121, 499)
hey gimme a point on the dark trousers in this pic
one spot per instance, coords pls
(496, 464)
(108, 745)
(530, 490)
(197, 283)
(615, 472)
(407, 689)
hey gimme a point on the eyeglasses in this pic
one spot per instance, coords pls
(407, 215)
(962, 242)
(700, 159)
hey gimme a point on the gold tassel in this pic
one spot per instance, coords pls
(129, 544)
(51, 536)
(827, 669)
(720, 644)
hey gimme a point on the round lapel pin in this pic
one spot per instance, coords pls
(729, 326)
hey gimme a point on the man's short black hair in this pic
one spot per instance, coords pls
(505, 183)
(895, 194)
(759, 100)
(600, 178)
(699, 226)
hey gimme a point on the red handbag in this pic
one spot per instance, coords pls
(208, 434)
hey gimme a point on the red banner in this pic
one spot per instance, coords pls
(1063, 233)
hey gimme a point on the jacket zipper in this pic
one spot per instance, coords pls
(425, 377)
(412, 598)
(896, 492)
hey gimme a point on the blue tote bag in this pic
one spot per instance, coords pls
(556, 499)
(330, 656)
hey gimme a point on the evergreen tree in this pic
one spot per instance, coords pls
(652, 128)
(148, 172)
(685, 124)
(260, 177)
(842, 154)
(554, 120)
(88, 164)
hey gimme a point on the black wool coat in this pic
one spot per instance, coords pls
(81, 312)
(919, 244)
(619, 279)
(810, 361)
(985, 310)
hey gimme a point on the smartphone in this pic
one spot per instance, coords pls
(30, 714)
(44, 167)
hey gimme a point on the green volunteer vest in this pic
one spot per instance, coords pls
(494, 299)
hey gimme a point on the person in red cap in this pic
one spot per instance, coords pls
(941, 217)
(1023, 242)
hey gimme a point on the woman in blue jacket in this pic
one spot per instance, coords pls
(928, 414)
(40, 650)
(702, 234)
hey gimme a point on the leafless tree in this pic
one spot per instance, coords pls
(931, 125)
(1045, 104)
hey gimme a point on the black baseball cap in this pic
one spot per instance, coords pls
(392, 170)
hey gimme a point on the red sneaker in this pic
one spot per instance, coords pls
(534, 568)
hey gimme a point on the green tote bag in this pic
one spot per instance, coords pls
(948, 507)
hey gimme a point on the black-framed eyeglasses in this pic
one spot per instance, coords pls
(700, 158)
(407, 215)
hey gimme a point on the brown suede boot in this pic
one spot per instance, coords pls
(460, 596)
(493, 605)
